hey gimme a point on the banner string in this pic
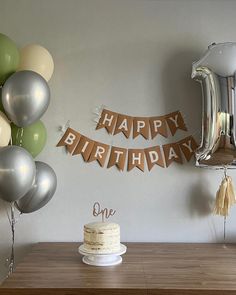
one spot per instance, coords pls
(225, 175)
(97, 111)
(10, 261)
(12, 257)
(224, 229)
(64, 127)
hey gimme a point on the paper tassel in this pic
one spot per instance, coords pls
(225, 197)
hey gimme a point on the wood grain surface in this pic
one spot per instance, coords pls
(147, 268)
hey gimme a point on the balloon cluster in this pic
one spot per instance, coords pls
(25, 96)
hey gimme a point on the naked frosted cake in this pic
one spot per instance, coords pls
(101, 237)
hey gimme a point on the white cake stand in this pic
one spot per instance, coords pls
(102, 259)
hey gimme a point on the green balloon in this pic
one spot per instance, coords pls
(9, 58)
(33, 137)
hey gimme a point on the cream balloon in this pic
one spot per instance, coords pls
(36, 58)
(5, 130)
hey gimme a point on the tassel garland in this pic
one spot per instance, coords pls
(225, 197)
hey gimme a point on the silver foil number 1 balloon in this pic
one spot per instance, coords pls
(216, 72)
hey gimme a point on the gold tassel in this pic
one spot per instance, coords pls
(225, 197)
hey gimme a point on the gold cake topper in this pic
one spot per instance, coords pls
(105, 213)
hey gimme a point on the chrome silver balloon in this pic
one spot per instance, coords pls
(42, 190)
(17, 173)
(216, 72)
(25, 97)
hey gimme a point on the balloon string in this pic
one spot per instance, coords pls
(12, 257)
(9, 219)
(225, 171)
(224, 229)
(225, 176)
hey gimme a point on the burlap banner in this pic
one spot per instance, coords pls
(117, 157)
(162, 156)
(115, 123)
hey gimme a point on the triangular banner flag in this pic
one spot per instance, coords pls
(172, 153)
(175, 121)
(117, 158)
(107, 120)
(70, 139)
(154, 157)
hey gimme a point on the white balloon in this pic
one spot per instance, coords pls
(5, 130)
(219, 58)
(34, 57)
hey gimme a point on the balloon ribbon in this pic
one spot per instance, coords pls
(225, 197)
(12, 257)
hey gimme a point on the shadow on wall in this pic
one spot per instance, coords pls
(179, 90)
(201, 199)
(182, 92)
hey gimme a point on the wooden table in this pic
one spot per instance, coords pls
(147, 268)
